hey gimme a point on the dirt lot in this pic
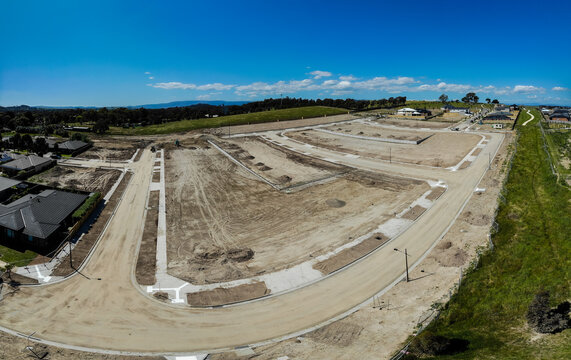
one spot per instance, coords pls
(360, 129)
(223, 224)
(112, 149)
(378, 332)
(146, 262)
(413, 123)
(222, 296)
(86, 179)
(274, 164)
(440, 150)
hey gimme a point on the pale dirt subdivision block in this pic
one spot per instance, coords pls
(222, 296)
(440, 150)
(435, 193)
(216, 208)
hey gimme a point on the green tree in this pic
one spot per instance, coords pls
(470, 98)
(495, 101)
(443, 98)
(488, 100)
(101, 126)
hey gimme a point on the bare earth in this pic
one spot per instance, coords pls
(86, 179)
(233, 212)
(113, 314)
(440, 150)
(360, 129)
(413, 123)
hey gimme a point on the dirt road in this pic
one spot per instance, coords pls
(111, 313)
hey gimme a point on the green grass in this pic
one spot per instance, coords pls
(252, 118)
(437, 105)
(559, 145)
(532, 252)
(15, 257)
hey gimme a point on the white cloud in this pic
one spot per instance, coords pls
(559, 88)
(526, 89)
(318, 74)
(178, 85)
(348, 78)
(151, 77)
(147, 73)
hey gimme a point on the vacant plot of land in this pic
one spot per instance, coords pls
(441, 149)
(222, 296)
(223, 224)
(78, 178)
(418, 124)
(369, 130)
(110, 149)
(146, 263)
(274, 163)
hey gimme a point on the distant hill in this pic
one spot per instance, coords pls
(146, 106)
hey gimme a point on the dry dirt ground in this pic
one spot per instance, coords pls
(281, 168)
(417, 124)
(440, 150)
(79, 178)
(378, 332)
(224, 224)
(14, 348)
(360, 129)
(112, 149)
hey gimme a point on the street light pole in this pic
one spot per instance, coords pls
(405, 261)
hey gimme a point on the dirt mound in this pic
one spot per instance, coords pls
(450, 256)
(240, 255)
(284, 179)
(545, 320)
(335, 203)
(265, 168)
(161, 295)
(445, 245)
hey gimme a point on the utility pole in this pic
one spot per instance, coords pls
(405, 261)
(70, 259)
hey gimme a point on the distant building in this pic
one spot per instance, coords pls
(498, 116)
(454, 109)
(77, 128)
(560, 115)
(69, 147)
(413, 112)
(39, 221)
(30, 164)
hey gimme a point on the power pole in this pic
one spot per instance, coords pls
(406, 263)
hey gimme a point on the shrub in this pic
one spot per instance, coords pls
(87, 205)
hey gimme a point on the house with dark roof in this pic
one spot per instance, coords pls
(39, 221)
(560, 115)
(69, 147)
(498, 116)
(29, 165)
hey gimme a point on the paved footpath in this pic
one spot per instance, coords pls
(112, 314)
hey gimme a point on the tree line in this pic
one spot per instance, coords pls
(52, 121)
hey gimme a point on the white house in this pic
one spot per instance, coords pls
(408, 112)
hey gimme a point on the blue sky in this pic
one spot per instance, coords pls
(113, 53)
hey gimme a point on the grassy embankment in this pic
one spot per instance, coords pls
(251, 118)
(559, 146)
(15, 257)
(532, 253)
